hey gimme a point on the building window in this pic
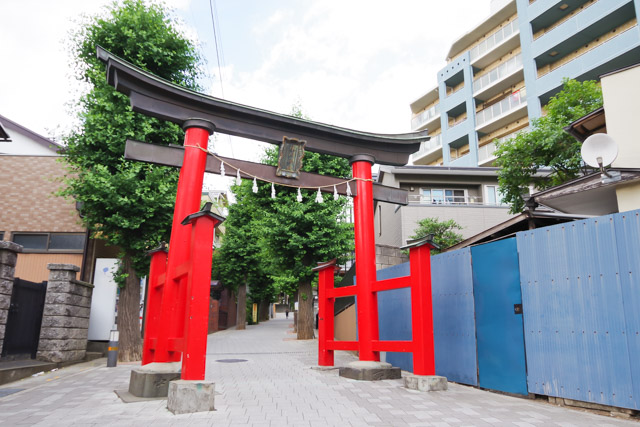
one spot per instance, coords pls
(493, 196)
(50, 242)
(439, 196)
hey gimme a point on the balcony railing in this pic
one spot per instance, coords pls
(416, 199)
(486, 151)
(425, 116)
(434, 142)
(504, 106)
(498, 73)
(494, 39)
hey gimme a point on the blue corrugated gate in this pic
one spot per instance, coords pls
(581, 294)
(394, 315)
(453, 316)
(496, 281)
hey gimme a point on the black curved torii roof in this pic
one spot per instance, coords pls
(156, 97)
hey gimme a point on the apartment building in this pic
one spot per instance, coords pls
(467, 195)
(501, 73)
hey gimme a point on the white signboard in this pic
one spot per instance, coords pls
(103, 301)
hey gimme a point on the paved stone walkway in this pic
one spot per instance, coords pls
(263, 378)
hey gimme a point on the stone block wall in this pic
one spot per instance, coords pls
(8, 256)
(386, 256)
(65, 321)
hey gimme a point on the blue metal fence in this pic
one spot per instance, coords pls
(580, 301)
(454, 329)
(581, 309)
(394, 315)
(453, 316)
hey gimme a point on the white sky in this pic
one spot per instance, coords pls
(351, 63)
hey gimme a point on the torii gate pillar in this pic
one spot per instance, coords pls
(168, 344)
(367, 302)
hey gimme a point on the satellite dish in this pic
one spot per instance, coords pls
(599, 150)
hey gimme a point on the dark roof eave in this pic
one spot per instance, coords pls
(572, 130)
(478, 238)
(159, 98)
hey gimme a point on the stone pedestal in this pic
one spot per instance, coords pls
(426, 382)
(8, 256)
(186, 397)
(152, 380)
(65, 320)
(370, 371)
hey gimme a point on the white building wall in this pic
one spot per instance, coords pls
(621, 94)
(24, 145)
(473, 219)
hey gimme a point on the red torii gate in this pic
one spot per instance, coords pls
(179, 282)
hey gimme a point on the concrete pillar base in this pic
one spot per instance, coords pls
(426, 383)
(370, 371)
(186, 397)
(152, 379)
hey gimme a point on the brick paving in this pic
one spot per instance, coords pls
(263, 378)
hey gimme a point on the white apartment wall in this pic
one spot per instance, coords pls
(621, 93)
(23, 145)
(473, 219)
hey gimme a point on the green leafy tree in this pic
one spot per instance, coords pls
(444, 234)
(240, 261)
(290, 237)
(546, 144)
(301, 234)
(128, 204)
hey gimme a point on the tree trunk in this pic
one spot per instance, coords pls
(305, 311)
(263, 310)
(130, 344)
(242, 307)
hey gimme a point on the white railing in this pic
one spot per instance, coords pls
(416, 199)
(486, 151)
(425, 116)
(428, 146)
(499, 108)
(494, 39)
(498, 73)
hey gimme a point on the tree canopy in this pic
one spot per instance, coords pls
(128, 204)
(546, 144)
(444, 234)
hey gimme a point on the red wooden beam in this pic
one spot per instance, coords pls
(399, 346)
(343, 345)
(389, 284)
(345, 291)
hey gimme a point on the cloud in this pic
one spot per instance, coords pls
(356, 64)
